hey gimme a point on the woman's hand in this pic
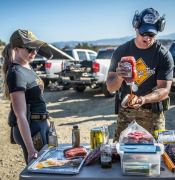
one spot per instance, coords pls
(33, 155)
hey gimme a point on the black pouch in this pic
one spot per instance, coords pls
(37, 141)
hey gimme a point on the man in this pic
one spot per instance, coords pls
(154, 66)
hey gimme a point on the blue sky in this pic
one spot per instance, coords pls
(65, 20)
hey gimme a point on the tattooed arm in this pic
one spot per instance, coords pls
(159, 94)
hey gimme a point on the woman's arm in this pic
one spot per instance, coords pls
(19, 106)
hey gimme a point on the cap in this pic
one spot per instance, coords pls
(25, 38)
(149, 21)
(75, 127)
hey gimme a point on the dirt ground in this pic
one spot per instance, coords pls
(89, 109)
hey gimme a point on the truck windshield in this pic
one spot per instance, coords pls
(69, 52)
(172, 50)
(105, 54)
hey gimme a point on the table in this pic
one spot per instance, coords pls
(94, 172)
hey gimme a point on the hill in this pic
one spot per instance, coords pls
(166, 39)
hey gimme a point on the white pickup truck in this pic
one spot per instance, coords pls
(81, 54)
(89, 73)
(49, 69)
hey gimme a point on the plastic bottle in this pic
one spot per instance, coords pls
(106, 156)
(130, 63)
(75, 136)
(52, 136)
(105, 131)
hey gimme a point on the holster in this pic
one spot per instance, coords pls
(161, 106)
(157, 107)
(12, 141)
(11, 118)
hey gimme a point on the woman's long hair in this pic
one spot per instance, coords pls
(7, 55)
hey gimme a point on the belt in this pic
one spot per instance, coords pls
(39, 116)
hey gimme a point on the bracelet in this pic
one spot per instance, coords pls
(34, 155)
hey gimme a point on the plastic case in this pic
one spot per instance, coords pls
(140, 163)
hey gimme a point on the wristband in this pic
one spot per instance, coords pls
(34, 155)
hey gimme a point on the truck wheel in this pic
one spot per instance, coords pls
(79, 88)
(66, 86)
(106, 92)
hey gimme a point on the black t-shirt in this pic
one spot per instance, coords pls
(152, 64)
(20, 78)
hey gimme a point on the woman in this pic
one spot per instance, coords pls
(24, 89)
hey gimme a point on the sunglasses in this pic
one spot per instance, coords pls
(148, 34)
(30, 50)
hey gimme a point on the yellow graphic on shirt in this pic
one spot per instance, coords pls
(40, 83)
(143, 71)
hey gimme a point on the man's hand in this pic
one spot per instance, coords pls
(122, 71)
(133, 101)
(139, 101)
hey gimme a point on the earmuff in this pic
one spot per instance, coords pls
(161, 23)
(137, 21)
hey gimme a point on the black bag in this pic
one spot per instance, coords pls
(12, 141)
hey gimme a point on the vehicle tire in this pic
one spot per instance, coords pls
(66, 86)
(80, 88)
(106, 92)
